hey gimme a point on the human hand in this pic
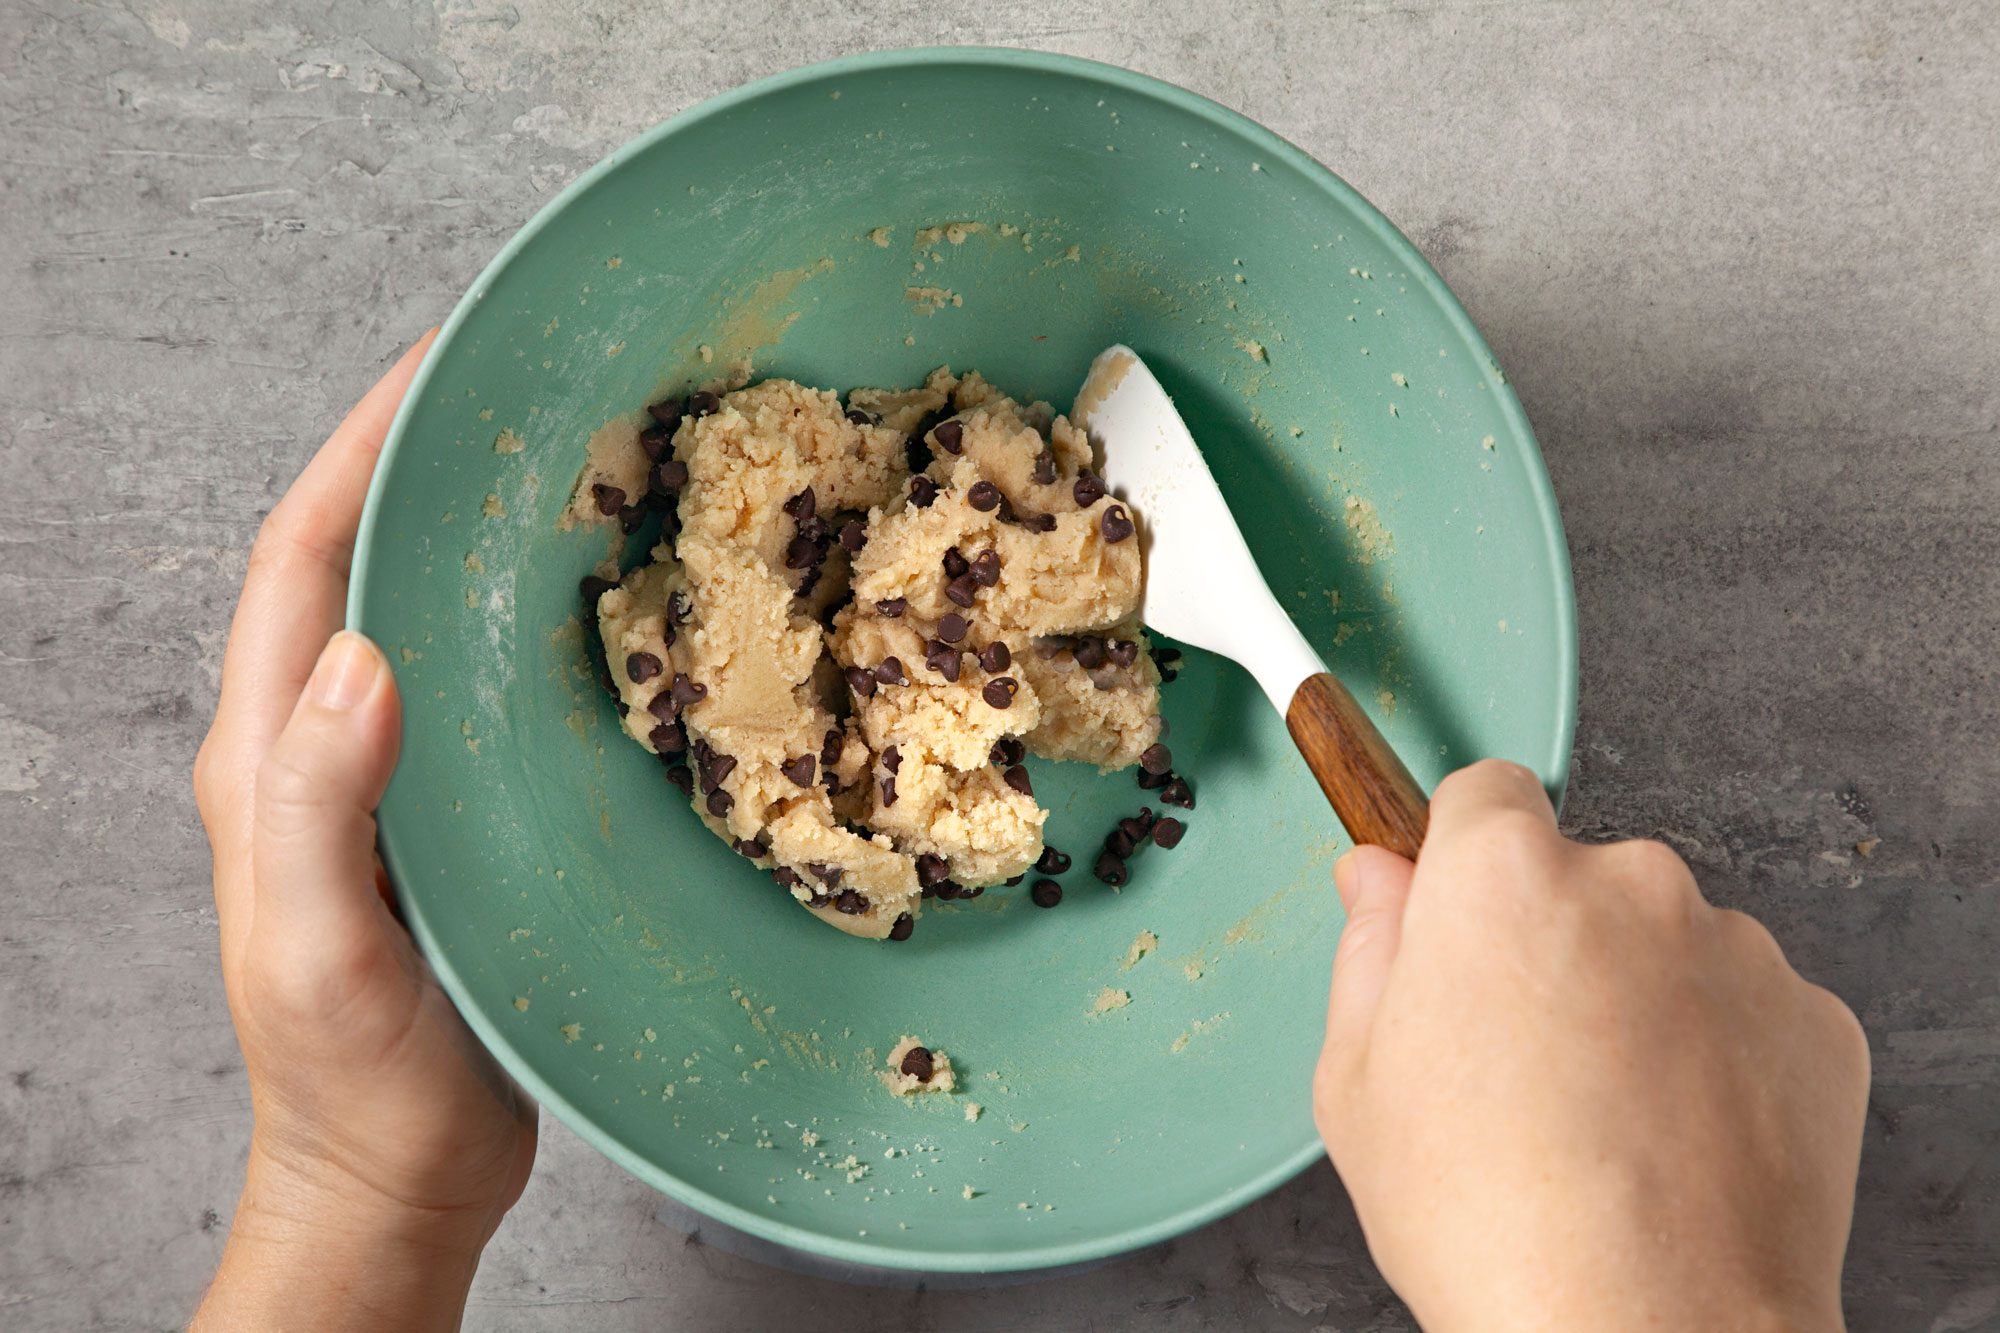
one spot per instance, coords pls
(1566, 1093)
(387, 1144)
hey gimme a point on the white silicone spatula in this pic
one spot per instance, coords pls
(1203, 588)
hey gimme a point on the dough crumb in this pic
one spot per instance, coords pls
(970, 1192)
(1109, 999)
(1867, 846)
(1251, 347)
(521, 1003)
(880, 236)
(1192, 971)
(493, 507)
(571, 1031)
(706, 353)
(507, 442)
(914, 1067)
(973, 1110)
(1146, 942)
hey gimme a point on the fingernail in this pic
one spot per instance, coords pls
(345, 673)
(1343, 874)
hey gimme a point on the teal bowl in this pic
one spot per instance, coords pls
(656, 992)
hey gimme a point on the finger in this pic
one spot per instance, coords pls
(1374, 886)
(1491, 786)
(295, 594)
(313, 841)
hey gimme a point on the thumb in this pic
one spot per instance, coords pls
(313, 837)
(1374, 886)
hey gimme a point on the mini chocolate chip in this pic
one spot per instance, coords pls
(943, 659)
(809, 582)
(894, 607)
(853, 536)
(955, 563)
(952, 627)
(1166, 657)
(714, 768)
(642, 667)
(850, 903)
(830, 747)
(593, 588)
(1147, 818)
(995, 657)
(1052, 862)
(948, 890)
(892, 759)
(1017, 778)
(670, 476)
(916, 453)
(1177, 792)
(1167, 832)
(610, 499)
(681, 776)
(749, 847)
(1008, 751)
(786, 877)
(1111, 869)
(668, 411)
(679, 608)
(1012, 880)
(703, 403)
(917, 1064)
(1005, 513)
(1000, 691)
(688, 691)
(653, 440)
(862, 681)
(984, 496)
(1135, 828)
(667, 738)
(1122, 652)
(630, 517)
(799, 771)
(719, 802)
(1119, 843)
(972, 892)
(888, 791)
(1039, 522)
(950, 436)
(931, 870)
(819, 899)
(986, 569)
(801, 553)
(1156, 758)
(891, 672)
(1089, 652)
(961, 590)
(828, 875)
(904, 925)
(1117, 524)
(922, 491)
(663, 707)
(1045, 467)
(802, 506)
(1154, 781)
(1089, 489)
(860, 418)
(1045, 893)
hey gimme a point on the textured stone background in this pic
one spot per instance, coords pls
(1742, 262)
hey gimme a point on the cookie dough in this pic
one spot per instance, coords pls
(859, 616)
(915, 1067)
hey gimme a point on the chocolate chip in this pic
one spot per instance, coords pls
(1167, 833)
(802, 506)
(1005, 513)
(667, 738)
(688, 691)
(786, 876)
(984, 496)
(995, 657)
(830, 747)
(972, 892)
(1008, 751)
(961, 590)
(1122, 652)
(749, 847)
(593, 588)
(1156, 758)
(663, 707)
(905, 924)
(917, 1064)
(1012, 880)
(1154, 781)
(986, 569)
(931, 870)
(1117, 524)
(1045, 893)
(679, 608)
(1111, 869)
(1135, 828)
(610, 499)
(916, 453)
(860, 418)
(719, 802)
(888, 791)
(824, 873)
(653, 440)
(1146, 818)
(670, 476)
(862, 681)
(894, 607)
(853, 536)
(681, 776)
(952, 627)
(1039, 522)
(1089, 489)
(713, 768)
(801, 553)
(630, 517)
(1119, 843)
(892, 759)
(642, 667)
(1178, 793)
(1045, 467)
(1000, 691)
(955, 563)
(1052, 862)
(949, 436)
(798, 771)
(922, 491)
(1017, 778)
(943, 659)
(1166, 657)
(948, 890)
(819, 899)
(701, 404)
(668, 412)
(808, 583)
(850, 903)
(1089, 652)
(891, 672)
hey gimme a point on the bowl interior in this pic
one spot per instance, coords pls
(662, 995)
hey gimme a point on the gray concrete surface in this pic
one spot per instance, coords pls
(1742, 262)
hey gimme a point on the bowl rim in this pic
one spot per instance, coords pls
(1554, 768)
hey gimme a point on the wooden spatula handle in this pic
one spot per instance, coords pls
(1374, 795)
